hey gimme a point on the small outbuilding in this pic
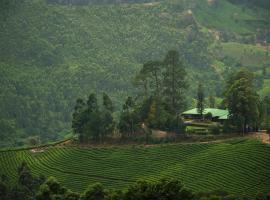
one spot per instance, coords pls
(217, 115)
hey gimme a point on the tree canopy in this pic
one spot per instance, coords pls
(242, 101)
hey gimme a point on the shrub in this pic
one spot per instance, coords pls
(228, 128)
(208, 116)
(94, 192)
(215, 129)
(262, 196)
(164, 189)
(177, 125)
(190, 131)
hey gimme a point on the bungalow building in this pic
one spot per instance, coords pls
(217, 115)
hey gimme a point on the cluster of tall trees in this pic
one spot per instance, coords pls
(163, 84)
(247, 111)
(165, 80)
(26, 187)
(162, 99)
(92, 121)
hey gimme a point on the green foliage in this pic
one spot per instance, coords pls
(164, 84)
(119, 167)
(215, 195)
(86, 2)
(242, 101)
(3, 189)
(265, 112)
(107, 103)
(71, 196)
(253, 57)
(129, 121)
(164, 189)
(25, 186)
(174, 84)
(51, 189)
(263, 196)
(265, 90)
(77, 118)
(94, 192)
(200, 100)
(150, 78)
(89, 122)
(9, 132)
(227, 17)
(215, 129)
(208, 116)
(66, 59)
(211, 101)
(66, 51)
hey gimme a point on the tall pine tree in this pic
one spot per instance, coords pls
(200, 100)
(77, 116)
(174, 83)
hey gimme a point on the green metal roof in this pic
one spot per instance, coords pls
(221, 114)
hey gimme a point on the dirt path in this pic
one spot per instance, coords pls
(262, 136)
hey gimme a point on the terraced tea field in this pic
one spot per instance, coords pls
(239, 167)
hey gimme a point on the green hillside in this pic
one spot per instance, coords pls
(52, 53)
(241, 167)
(250, 56)
(237, 19)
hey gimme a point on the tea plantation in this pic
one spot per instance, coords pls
(241, 167)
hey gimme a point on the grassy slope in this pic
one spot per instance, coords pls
(225, 16)
(239, 167)
(266, 88)
(253, 57)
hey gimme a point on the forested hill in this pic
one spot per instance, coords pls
(260, 3)
(54, 51)
(87, 2)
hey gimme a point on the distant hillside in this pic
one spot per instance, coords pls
(260, 3)
(240, 167)
(53, 52)
(87, 2)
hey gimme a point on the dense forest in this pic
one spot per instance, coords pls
(53, 52)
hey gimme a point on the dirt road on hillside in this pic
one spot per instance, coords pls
(262, 136)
